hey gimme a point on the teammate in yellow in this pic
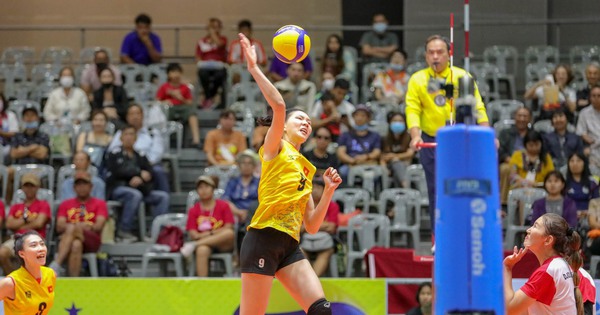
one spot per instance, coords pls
(270, 248)
(29, 289)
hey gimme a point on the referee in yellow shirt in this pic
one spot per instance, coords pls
(428, 109)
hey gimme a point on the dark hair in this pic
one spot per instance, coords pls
(437, 37)
(19, 243)
(81, 151)
(174, 66)
(245, 23)
(421, 287)
(107, 69)
(318, 180)
(339, 54)
(100, 50)
(324, 128)
(532, 136)
(267, 120)
(127, 127)
(66, 68)
(327, 96)
(521, 108)
(143, 19)
(96, 112)
(4, 102)
(227, 113)
(567, 244)
(557, 174)
(214, 19)
(401, 51)
(342, 84)
(585, 173)
(558, 112)
(569, 71)
(132, 105)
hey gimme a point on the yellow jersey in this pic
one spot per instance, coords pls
(421, 110)
(283, 191)
(31, 297)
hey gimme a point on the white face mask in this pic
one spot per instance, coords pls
(66, 81)
(328, 84)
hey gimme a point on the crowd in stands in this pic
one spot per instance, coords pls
(118, 149)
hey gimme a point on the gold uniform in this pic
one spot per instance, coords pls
(31, 297)
(283, 192)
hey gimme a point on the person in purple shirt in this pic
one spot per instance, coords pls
(278, 69)
(555, 200)
(141, 46)
(581, 185)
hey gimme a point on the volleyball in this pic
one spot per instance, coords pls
(291, 44)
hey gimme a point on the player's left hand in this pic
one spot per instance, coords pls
(331, 178)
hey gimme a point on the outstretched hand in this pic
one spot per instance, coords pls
(511, 260)
(331, 178)
(249, 50)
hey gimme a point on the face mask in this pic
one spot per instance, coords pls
(101, 65)
(396, 67)
(379, 27)
(397, 127)
(107, 85)
(328, 84)
(66, 81)
(361, 127)
(31, 125)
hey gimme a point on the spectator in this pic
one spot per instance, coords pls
(531, 164)
(79, 223)
(553, 288)
(337, 60)
(588, 126)
(296, 91)
(211, 55)
(149, 143)
(129, 180)
(319, 156)
(377, 45)
(555, 200)
(95, 142)
(561, 143)
(511, 140)
(594, 221)
(31, 214)
(28, 147)
(592, 76)
(278, 69)
(235, 49)
(9, 126)
(112, 99)
(581, 186)
(209, 225)
(327, 82)
(82, 162)
(260, 132)
(91, 74)
(424, 298)
(397, 154)
(141, 46)
(222, 145)
(360, 146)
(390, 86)
(318, 257)
(241, 192)
(343, 108)
(553, 92)
(179, 97)
(67, 104)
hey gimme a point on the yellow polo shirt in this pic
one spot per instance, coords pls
(421, 110)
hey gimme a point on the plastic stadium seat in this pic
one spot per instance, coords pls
(520, 201)
(169, 219)
(369, 230)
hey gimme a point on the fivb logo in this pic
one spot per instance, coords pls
(478, 209)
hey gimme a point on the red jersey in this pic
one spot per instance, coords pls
(333, 210)
(76, 211)
(551, 285)
(205, 50)
(201, 220)
(32, 211)
(163, 93)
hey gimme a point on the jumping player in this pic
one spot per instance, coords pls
(271, 246)
(29, 289)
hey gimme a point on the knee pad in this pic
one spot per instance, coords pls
(320, 307)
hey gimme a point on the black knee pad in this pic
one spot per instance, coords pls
(320, 307)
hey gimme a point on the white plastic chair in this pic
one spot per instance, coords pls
(407, 212)
(519, 198)
(369, 174)
(224, 173)
(501, 56)
(43, 171)
(584, 54)
(370, 230)
(17, 107)
(159, 70)
(45, 73)
(21, 55)
(542, 54)
(175, 219)
(67, 171)
(54, 129)
(416, 178)
(170, 155)
(57, 56)
(86, 55)
(502, 109)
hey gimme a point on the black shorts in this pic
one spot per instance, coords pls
(265, 251)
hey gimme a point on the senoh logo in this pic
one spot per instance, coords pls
(478, 209)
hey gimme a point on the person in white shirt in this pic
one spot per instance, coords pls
(67, 103)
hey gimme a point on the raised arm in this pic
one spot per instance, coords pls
(274, 135)
(314, 215)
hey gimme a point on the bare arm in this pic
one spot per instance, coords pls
(99, 224)
(516, 302)
(313, 216)
(14, 224)
(61, 224)
(7, 288)
(344, 157)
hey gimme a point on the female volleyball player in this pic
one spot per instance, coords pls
(270, 247)
(553, 288)
(29, 289)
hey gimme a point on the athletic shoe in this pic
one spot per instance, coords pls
(188, 249)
